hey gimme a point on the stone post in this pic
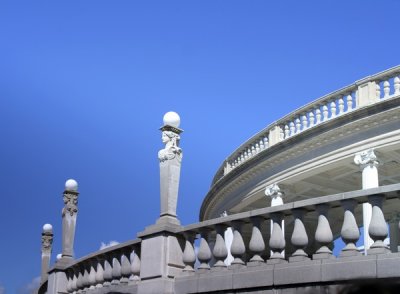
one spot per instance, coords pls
(366, 93)
(368, 163)
(274, 192)
(162, 243)
(47, 241)
(69, 214)
(170, 168)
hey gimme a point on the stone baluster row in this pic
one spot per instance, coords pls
(118, 267)
(299, 240)
(318, 114)
(257, 146)
(388, 88)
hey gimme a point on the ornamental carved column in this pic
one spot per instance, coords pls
(47, 242)
(170, 168)
(69, 214)
(368, 163)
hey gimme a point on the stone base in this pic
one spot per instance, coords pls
(378, 250)
(318, 256)
(298, 258)
(276, 261)
(349, 253)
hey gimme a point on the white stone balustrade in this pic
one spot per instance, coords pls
(297, 247)
(109, 267)
(362, 93)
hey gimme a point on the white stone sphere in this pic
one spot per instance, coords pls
(172, 119)
(59, 255)
(71, 185)
(47, 228)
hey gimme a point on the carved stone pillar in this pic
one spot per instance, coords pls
(69, 214)
(47, 241)
(368, 163)
(170, 168)
(274, 192)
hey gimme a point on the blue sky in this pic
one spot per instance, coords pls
(84, 86)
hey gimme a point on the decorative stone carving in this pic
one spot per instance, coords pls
(349, 232)
(189, 256)
(69, 214)
(47, 242)
(70, 203)
(219, 251)
(277, 241)
(238, 248)
(170, 167)
(275, 193)
(171, 150)
(299, 237)
(366, 157)
(256, 244)
(378, 228)
(323, 233)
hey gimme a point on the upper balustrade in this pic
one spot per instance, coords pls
(360, 94)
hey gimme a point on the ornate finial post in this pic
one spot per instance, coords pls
(69, 214)
(368, 163)
(47, 242)
(170, 168)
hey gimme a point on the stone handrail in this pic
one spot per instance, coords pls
(361, 93)
(115, 265)
(256, 248)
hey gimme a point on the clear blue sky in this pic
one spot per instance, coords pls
(84, 86)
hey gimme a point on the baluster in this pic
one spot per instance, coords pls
(349, 100)
(318, 115)
(277, 241)
(99, 272)
(378, 90)
(189, 256)
(257, 147)
(219, 251)
(304, 121)
(79, 281)
(287, 131)
(298, 125)
(325, 112)
(299, 237)
(92, 274)
(323, 234)
(69, 274)
(396, 81)
(253, 150)
(386, 89)
(74, 287)
(333, 108)
(378, 230)
(237, 248)
(204, 254)
(350, 233)
(241, 157)
(107, 271)
(262, 146)
(341, 105)
(135, 267)
(266, 144)
(125, 267)
(116, 269)
(256, 244)
(85, 280)
(246, 155)
(311, 118)
(292, 128)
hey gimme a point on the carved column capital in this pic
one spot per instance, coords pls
(274, 192)
(70, 203)
(366, 158)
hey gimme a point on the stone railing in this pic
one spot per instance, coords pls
(255, 249)
(360, 94)
(302, 258)
(116, 266)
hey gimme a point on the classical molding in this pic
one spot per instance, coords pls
(366, 158)
(357, 121)
(47, 242)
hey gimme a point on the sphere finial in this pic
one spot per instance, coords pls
(71, 185)
(48, 228)
(172, 119)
